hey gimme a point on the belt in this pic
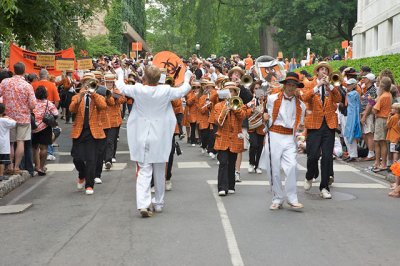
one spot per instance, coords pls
(281, 130)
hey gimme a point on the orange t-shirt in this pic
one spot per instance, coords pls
(383, 105)
(393, 133)
(52, 92)
(249, 62)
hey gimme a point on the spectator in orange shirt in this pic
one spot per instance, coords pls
(393, 134)
(51, 88)
(249, 62)
(382, 110)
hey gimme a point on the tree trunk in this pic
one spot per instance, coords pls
(57, 37)
(267, 45)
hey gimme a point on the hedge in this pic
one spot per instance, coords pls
(377, 64)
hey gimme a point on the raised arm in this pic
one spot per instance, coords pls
(128, 90)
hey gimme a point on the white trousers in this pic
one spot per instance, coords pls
(283, 155)
(145, 171)
(351, 147)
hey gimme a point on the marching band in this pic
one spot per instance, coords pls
(225, 115)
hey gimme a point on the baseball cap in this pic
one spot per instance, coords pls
(370, 76)
(351, 81)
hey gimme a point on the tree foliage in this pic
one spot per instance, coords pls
(43, 24)
(227, 27)
(100, 45)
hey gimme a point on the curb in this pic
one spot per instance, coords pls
(14, 182)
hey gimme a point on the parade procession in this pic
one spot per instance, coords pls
(145, 151)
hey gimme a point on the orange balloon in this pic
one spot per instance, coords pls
(172, 63)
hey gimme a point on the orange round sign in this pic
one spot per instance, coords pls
(172, 63)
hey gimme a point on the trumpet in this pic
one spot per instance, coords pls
(170, 81)
(336, 78)
(91, 85)
(246, 80)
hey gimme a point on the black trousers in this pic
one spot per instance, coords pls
(101, 148)
(211, 141)
(179, 118)
(68, 114)
(170, 160)
(226, 170)
(322, 139)
(205, 137)
(116, 142)
(256, 146)
(111, 137)
(192, 133)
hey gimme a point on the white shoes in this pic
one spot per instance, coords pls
(153, 190)
(193, 145)
(307, 184)
(231, 191)
(113, 160)
(203, 151)
(158, 208)
(251, 169)
(212, 155)
(51, 157)
(89, 191)
(275, 206)
(168, 185)
(325, 194)
(97, 180)
(108, 165)
(80, 184)
(222, 193)
(145, 213)
(258, 171)
(296, 206)
(237, 177)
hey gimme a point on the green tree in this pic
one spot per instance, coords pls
(100, 45)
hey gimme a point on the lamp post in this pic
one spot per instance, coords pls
(309, 39)
(1, 55)
(198, 49)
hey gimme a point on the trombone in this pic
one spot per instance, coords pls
(234, 103)
(336, 78)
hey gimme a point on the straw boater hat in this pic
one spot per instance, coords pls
(231, 86)
(236, 68)
(109, 77)
(196, 84)
(323, 64)
(88, 75)
(98, 74)
(292, 77)
(220, 79)
(210, 83)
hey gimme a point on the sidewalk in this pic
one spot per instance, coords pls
(363, 167)
(14, 181)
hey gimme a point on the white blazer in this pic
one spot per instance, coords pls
(151, 123)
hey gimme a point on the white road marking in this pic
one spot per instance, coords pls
(193, 165)
(68, 167)
(67, 153)
(233, 247)
(301, 184)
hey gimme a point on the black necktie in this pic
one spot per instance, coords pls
(323, 94)
(86, 118)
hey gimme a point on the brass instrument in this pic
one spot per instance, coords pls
(170, 81)
(223, 83)
(336, 78)
(256, 118)
(246, 80)
(103, 91)
(234, 103)
(91, 85)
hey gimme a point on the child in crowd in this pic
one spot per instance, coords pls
(382, 110)
(6, 124)
(393, 131)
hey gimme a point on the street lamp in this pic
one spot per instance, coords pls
(198, 49)
(1, 56)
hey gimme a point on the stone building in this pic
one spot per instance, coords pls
(377, 31)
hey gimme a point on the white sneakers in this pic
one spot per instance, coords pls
(193, 145)
(51, 157)
(258, 171)
(89, 191)
(251, 169)
(275, 206)
(325, 194)
(212, 155)
(222, 193)
(168, 185)
(108, 165)
(231, 191)
(237, 177)
(158, 208)
(307, 184)
(80, 184)
(113, 160)
(97, 180)
(203, 151)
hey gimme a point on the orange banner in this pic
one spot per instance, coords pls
(137, 46)
(29, 59)
(345, 44)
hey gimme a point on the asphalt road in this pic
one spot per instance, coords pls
(359, 226)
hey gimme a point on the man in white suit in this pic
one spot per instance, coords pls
(150, 128)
